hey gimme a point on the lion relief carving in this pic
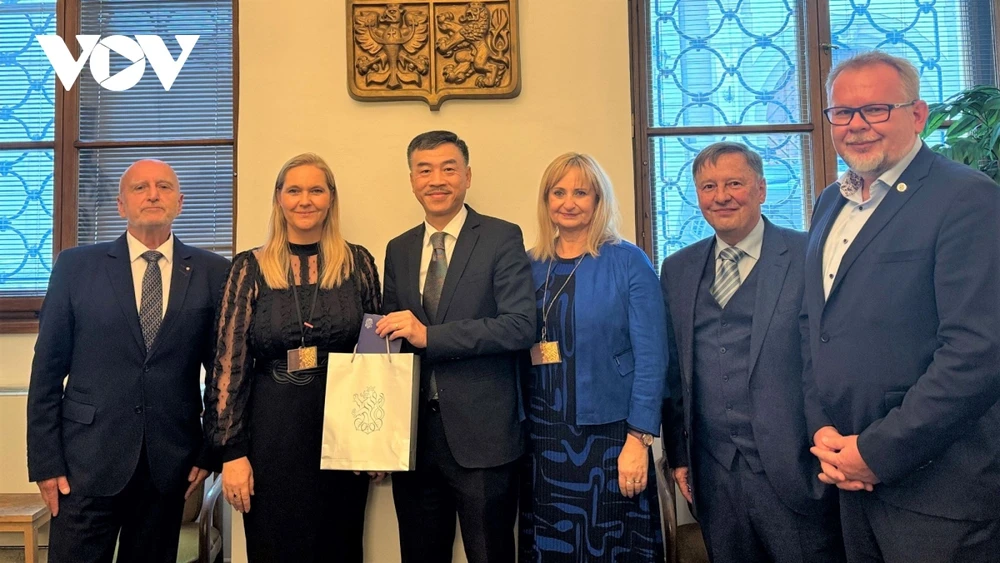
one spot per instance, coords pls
(478, 43)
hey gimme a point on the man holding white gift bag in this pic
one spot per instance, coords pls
(458, 289)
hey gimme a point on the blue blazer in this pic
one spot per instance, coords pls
(906, 348)
(621, 362)
(119, 398)
(778, 356)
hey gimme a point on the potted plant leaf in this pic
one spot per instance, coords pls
(973, 135)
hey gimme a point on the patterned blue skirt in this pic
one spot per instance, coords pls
(571, 506)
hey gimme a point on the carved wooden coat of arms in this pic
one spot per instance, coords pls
(432, 50)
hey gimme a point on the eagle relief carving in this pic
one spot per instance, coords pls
(393, 39)
(432, 50)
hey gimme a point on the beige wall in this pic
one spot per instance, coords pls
(293, 98)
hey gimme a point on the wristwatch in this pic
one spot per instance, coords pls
(646, 439)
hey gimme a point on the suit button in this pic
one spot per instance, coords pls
(725, 378)
(722, 350)
(824, 338)
(729, 407)
(138, 409)
(725, 324)
(145, 369)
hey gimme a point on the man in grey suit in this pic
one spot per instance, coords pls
(458, 289)
(735, 430)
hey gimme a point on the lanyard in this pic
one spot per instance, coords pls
(545, 292)
(304, 326)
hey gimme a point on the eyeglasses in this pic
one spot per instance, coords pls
(872, 113)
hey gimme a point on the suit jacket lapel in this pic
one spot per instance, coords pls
(771, 269)
(119, 269)
(822, 223)
(180, 277)
(894, 201)
(688, 283)
(467, 240)
(411, 276)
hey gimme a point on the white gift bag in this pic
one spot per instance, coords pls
(370, 414)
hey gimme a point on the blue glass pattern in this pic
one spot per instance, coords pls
(27, 114)
(718, 62)
(27, 81)
(25, 221)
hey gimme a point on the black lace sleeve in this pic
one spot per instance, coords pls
(227, 389)
(366, 275)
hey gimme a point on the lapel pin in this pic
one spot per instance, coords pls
(901, 187)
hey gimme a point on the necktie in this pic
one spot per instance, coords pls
(727, 281)
(151, 303)
(433, 284)
(434, 281)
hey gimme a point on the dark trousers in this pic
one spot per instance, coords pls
(427, 500)
(148, 521)
(877, 532)
(743, 519)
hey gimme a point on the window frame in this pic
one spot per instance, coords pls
(19, 314)
(817, 63)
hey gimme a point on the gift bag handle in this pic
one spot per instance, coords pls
(387, 351)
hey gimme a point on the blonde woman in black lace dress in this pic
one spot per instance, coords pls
(293, 300)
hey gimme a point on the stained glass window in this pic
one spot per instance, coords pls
(27, 129)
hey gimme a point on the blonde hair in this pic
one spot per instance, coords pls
(335, 259)
(604, 224)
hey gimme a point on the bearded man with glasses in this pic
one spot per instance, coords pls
(901, 286)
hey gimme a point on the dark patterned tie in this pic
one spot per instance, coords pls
(433, 284)
(436, 272)
(728, 279)
(151, 303)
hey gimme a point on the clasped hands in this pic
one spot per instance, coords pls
(841, 462)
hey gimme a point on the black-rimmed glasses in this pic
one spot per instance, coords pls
(872, 113)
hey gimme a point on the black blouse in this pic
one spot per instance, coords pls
(258, 325)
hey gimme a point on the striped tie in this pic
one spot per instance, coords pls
(727, 280)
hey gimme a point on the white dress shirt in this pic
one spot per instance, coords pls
(451, 230)
(856, 213)
(750, 245)
(135, 251)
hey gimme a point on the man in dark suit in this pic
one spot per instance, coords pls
(734, 423)
(127, 324)
(458, 289)
(902, 279)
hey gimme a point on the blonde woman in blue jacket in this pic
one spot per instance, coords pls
(597, 379)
